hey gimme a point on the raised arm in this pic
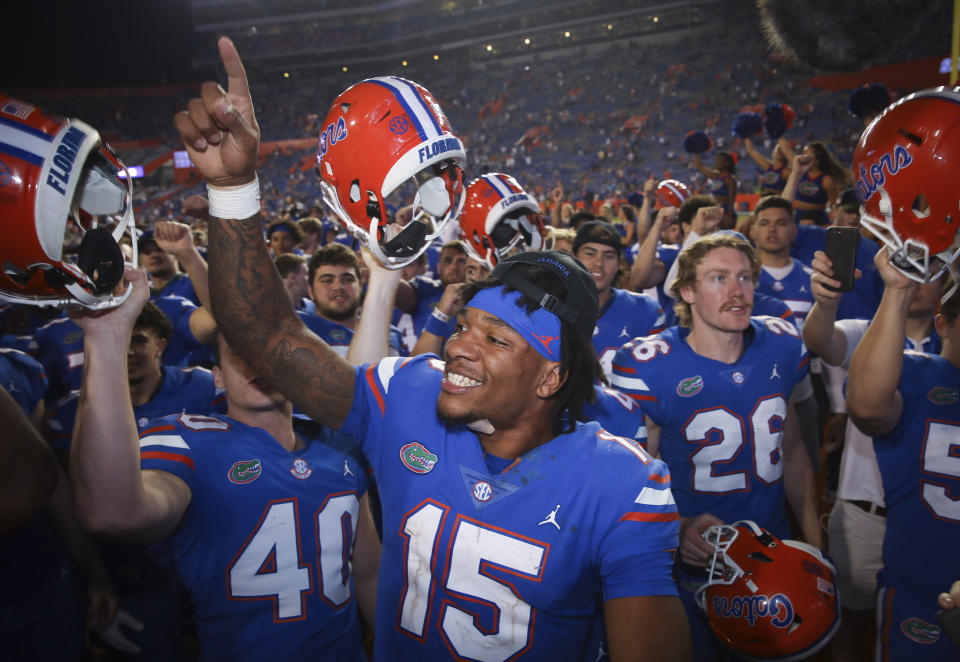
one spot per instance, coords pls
(801, 166)
(759, 158)
(704, 169)
(251, 307)
(647, 270)
(873, 382)
(371, 341)
(819, 331)
(111, 494)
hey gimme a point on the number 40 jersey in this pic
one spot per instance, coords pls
(721, 424)
(264, 546)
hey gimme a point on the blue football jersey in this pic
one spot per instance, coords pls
(338, 336)
(721, 425)
(23, 378)
(61, 353)
(410, 325)
(793, 290)
(180, 285)
(618, 414)
(628, 315)
(178, 310)
(488, 566)
(263, 546)
(921, 478)
(182, 389)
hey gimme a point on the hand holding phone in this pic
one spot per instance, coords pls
(840, 247)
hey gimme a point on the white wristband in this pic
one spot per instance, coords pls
(236, 202)
(443, 317)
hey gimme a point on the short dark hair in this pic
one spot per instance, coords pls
(455, 245)
(310, 225)
(693, 204)
(774, 202)
(153, 319)
(290, 227)
(581, 217)
(336, 254)
(578, 358)
(288, 263)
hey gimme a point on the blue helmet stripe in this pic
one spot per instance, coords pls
(22, 154)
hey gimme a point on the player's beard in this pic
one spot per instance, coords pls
(340, 314)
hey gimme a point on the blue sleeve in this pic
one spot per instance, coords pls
(164, 446)
(636, 555)
(626, 377)
(25, 377)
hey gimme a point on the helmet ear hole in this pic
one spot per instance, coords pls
(355, 191)
(920, 207)
(18, 275)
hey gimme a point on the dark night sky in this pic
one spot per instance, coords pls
(97, 43)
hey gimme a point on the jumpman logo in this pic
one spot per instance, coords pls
(346, 468)
(546, 340)
(775, 373)
(551, 518)
(623, 332)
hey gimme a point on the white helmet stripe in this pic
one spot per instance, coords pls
(417, 110)
(24, 142)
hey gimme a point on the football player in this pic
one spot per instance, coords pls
(910, 401)
(275, 579)
(716, 390)
(624, 315)
(503, 541)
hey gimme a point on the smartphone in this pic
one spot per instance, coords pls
(841, 248)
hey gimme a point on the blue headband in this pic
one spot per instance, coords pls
(282, 227)
(541, 328)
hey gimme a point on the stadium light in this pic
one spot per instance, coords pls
(489, 47)
(656, 19)
(404, 63)
(526, 41)
(344, 69)
(609, 26)
(286, 74)
(436, 57)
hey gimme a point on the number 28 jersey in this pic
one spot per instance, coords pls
(511, 564)
(263, 545)
(721, 424)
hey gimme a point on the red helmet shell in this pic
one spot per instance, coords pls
(904, 165)
(672, 193)
(769, 599)
(494, 199)
(379, 134)
(52, 170)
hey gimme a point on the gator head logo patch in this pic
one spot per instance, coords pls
(920, 631)
(417, 458)
(690, 386)
(245, 471)
(941, 395)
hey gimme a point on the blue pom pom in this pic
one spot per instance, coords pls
(697, 142)
(747, 124)
(635, 199)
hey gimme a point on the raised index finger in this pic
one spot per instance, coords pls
(236, 74)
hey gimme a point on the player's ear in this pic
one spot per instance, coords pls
(218, 378)
(550, 379)
(161, 345)
(686, 293)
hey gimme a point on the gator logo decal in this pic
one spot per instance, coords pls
(941, 395)
(417, 458)
(690, 386)
(245, 471)
(920, 631)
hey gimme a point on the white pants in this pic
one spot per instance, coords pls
(856, 547)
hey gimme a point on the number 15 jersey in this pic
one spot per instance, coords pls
(721, 424)
(481, 565)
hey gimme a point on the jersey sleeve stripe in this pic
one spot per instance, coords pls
(627, 370)
(653, 497)
(648, 398)
(658, 478)
(803, 362)
(159, 428)
(171, 440)
(632, 383)
(173, 457)
(387, 368)
(650, 517)
(376, 390)
(633, 448)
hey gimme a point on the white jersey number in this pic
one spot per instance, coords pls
(723, 434)
(269, 566)
(940, 459)
(474, 547)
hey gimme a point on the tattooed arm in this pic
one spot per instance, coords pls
(249, 302)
